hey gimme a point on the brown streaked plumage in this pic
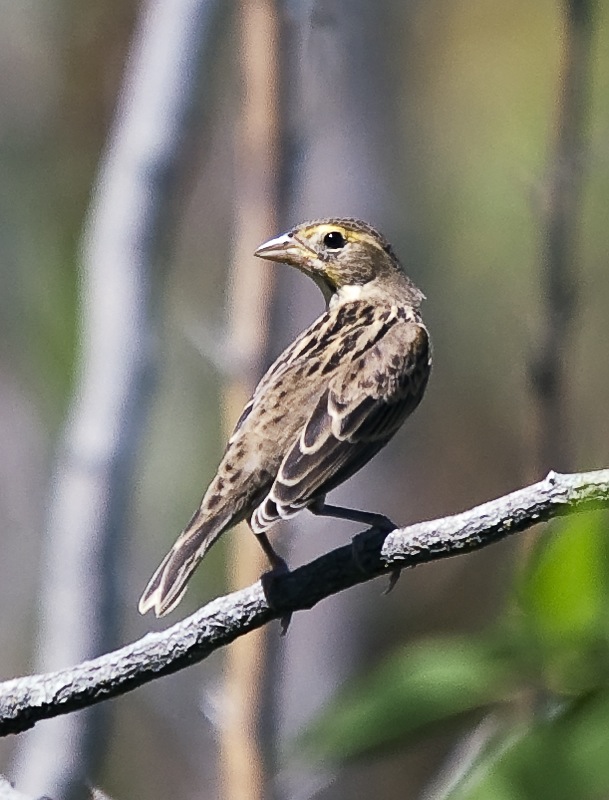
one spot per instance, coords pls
(326, 406)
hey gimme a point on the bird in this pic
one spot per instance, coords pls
(324, 408)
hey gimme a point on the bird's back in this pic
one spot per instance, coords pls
(327, 354)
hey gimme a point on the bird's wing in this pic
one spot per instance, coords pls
(226, 503)
(363, 406)
(356, 327)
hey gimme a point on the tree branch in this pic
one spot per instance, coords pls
(25, 701)
(8, 791)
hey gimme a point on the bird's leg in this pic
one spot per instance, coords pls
(278, 567)
(321, 509)
(276, 561)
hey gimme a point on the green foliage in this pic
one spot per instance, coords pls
(564, 601)
(541, 673)
(418, 686)
(562, 756)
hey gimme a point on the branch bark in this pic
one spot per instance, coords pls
(25, 701)
(8, 791)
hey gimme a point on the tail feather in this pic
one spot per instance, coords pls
(168, 584)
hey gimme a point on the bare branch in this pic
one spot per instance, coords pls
(25, 701)
(8, 791)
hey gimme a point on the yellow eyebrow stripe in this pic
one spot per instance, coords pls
(350, 235)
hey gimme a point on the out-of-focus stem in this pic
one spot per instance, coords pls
(251, 293)
(550, 372)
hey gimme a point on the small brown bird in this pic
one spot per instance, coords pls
(326, 406)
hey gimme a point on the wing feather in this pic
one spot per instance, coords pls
(364, 405)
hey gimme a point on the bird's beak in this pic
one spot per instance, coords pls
(287, 248)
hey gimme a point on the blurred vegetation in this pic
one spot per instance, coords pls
(512, 671)
(540, 673)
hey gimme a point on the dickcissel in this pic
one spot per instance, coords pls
(326, 406)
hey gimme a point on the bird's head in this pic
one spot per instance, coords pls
(341, 255)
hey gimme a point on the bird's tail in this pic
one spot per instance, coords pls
(168, 584)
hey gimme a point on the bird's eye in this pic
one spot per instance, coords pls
(334, 240)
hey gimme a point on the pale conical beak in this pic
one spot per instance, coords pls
(285, 248)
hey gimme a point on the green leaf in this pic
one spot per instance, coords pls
(562, 758)
(565, 591)
(417, 687)
(564, 597)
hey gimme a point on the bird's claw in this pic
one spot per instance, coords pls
(358, 543)
(394, 577)
(284, 623)
(385, 524)
(268, 581)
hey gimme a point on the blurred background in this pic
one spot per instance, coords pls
(474, 135)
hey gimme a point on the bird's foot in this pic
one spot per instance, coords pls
(358, 546)
(383, 523)
(269, 583)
